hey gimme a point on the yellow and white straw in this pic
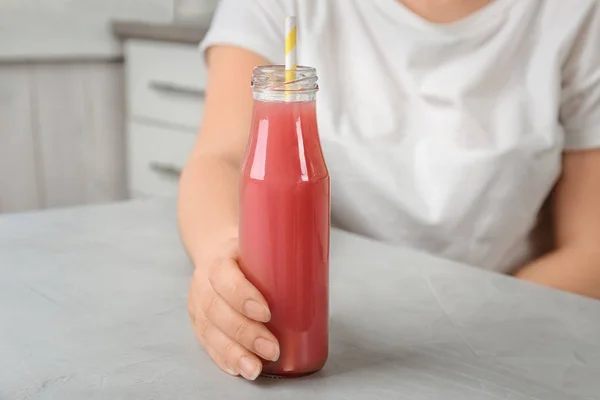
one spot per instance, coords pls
(290, 49)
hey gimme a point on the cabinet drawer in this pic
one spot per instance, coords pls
(155, 158)
(165, 82)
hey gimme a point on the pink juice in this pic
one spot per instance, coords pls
(284, 231)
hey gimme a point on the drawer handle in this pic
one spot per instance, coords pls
(165, 169)
(173, 88)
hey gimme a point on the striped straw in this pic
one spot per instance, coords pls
(290, 49)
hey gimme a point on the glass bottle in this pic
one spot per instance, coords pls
(285, 217)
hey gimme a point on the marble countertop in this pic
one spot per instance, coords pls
(93, 306)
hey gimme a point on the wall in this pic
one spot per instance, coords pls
(59, 29)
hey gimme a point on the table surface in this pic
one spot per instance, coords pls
(93, 306)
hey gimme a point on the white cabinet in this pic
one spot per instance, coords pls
(62, 140)
(61, 134)
(156, 157)
(166, 84)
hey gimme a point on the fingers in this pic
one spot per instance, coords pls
(231, 357)
(252, 335)
(229, 337)
(216, 356)
(235, 356)
(230, 283)
(199, 325)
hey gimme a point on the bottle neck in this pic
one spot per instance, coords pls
(269, 84)
(270, 96)
(284, 142)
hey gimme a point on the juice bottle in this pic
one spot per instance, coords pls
(285, 218)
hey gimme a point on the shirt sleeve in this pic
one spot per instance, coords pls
(580, 102)
(255, 25)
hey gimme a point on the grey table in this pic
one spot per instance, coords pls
(93, 306)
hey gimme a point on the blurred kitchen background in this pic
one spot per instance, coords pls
(100, 100)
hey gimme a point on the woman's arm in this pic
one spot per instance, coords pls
(227, 312)
(207, 209)
(574, 265)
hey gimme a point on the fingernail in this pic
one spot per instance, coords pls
(248, 368)
(231, 372)
(266, 349)
(256, 311)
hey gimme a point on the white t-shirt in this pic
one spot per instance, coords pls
(446, 138)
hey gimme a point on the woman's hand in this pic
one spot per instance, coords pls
(227, 314)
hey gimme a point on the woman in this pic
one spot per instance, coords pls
(446, 125)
